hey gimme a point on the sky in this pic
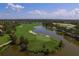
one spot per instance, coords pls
(39, 11)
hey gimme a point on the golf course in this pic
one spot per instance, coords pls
(26, 40)
(36, 41)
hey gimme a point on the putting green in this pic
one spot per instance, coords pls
(36, 42)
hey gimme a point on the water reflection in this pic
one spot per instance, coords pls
(69, 47)
(43, 30)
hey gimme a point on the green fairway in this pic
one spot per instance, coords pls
(4, 39)
(36, 42)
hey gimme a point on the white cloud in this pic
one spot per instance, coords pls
(38, 12)
(43, 14)
(15, 7)
(60, 13)
(76, 10)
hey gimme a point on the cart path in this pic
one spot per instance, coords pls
(5, 44)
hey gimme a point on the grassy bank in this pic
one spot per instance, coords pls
(4, 39)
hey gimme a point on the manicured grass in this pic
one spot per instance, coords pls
(36, 42)
(2, 49)
(4, 39)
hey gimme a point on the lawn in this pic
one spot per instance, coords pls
(36, 42)
(4, 39)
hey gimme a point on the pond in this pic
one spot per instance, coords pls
(43, 30)
(68, 48)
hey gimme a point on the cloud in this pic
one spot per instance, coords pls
(62, 12)
(59, 14)
(41, 14)
(37, 12)
(14, 7)
(76, 10)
